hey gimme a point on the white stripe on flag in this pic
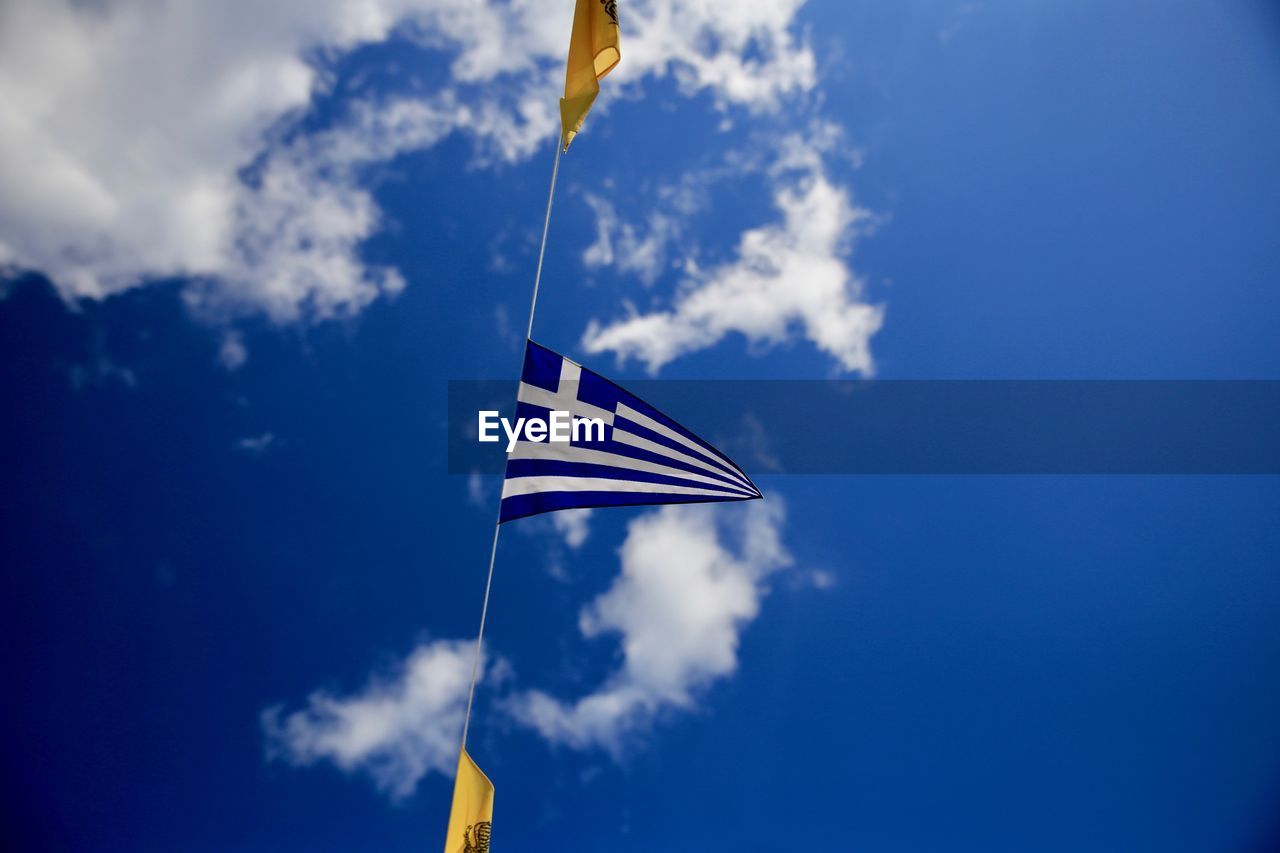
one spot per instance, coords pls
(537, 485)
(623, 437)
(570, 453)
(570, 372)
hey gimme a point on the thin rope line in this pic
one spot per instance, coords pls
(484, 611)
(546, 223)
(497, 522)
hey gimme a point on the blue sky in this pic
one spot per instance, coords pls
(241, 265)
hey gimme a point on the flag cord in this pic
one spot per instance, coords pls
(497, 522)
(546, 224)
(484, 611)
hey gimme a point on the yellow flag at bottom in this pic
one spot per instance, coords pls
(471, 817)
(593, 52)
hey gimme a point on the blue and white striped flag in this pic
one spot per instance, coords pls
(643, 457)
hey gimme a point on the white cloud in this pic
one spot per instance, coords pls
(477, 491)
(396, 730)
(127, 129)
(823, 579)
(790, 276)
(100, 372)
(744, 52)
(256, 445)
(628, 248)
(99, 369)
(641, 248)
(123, 125)
(300, 223)
(232, 353)
(692, 579)
(574, 525)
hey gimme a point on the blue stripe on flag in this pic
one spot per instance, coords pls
(522, 506)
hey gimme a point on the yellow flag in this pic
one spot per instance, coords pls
(471, 818)
(593, 51)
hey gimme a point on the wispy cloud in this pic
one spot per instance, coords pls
(791, 276)
(692, 579)
(232, 353)
(100, 369)
(628, 247)
(478, 491)
(396, 730)
(574, 525)
(99, 372)
(255, 445)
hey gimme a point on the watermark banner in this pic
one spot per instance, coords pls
(927, 426)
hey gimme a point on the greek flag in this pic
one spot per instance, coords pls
(642, 457)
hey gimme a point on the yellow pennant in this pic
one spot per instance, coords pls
(471, 817)
(593, 52)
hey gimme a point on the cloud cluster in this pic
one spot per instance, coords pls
(692, 578)
(124, 124)
(790, 276)
(396, 730)
(151, 140)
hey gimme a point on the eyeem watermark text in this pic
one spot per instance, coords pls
(560, 426)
